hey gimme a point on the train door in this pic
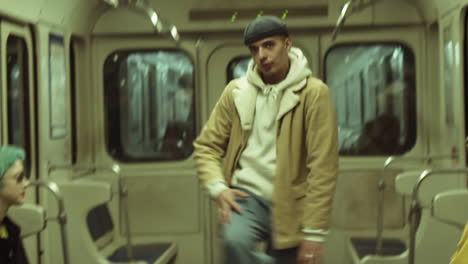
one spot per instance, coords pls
(146, 97)
(452, 95)
(18, 103)
(463, 75)
(452, 131)
(54, 129)
(223, 59)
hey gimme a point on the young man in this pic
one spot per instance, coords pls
(268, 153)
(13, 183)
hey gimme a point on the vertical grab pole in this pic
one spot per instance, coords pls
(124, 196)
(62, 215)
(380, 207)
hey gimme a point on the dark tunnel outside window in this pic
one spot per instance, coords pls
(373, 87)
(149, 98)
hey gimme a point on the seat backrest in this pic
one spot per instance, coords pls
(100, 225)
(31, 218)
(451, 207)
(405, 181)
(80, 197)
(431, 235)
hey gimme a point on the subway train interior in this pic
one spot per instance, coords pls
(107, 96)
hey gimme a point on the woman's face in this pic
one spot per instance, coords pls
(14, 183)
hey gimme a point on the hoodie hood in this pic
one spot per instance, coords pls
(298, 72)
(281, 96)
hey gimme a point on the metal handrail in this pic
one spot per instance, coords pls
(354, 6)
(381, 185)
(350, 7)
(415, 204)
(367, 169)
(123, 193)
(156, 21)
(62, 215)
(53, 167)
(341, 19)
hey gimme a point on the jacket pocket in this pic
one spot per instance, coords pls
(299, 190)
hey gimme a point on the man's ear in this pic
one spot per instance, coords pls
(288, 43)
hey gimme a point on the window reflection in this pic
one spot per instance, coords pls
(150, 105)
(238, 67)
(17, 89)
(373, 88)
(448, 80)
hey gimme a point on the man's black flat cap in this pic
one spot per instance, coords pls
(264, 27)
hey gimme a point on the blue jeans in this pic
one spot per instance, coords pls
(244, 230)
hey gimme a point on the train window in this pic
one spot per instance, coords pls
(237, 67)
(57, 88)
(373, 88)
(150, 105)
(17, 90)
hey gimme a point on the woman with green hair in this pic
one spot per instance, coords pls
(13, 183)
(461, 255)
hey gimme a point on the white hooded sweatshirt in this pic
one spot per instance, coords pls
(257, 163)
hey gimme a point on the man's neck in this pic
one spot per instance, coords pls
(3, 210)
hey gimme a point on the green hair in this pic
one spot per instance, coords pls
(8, 156)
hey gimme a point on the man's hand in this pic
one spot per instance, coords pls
(310, 252)
(226, 201)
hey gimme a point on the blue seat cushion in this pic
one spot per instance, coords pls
(99, 221)
(148, 252)
(367, 246)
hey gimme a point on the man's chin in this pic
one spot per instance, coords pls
(268, 74)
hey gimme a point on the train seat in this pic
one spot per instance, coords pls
(31, 218)
(367, 246)
(94, 238)
(395, 251)
(451, 207)
(362, 249)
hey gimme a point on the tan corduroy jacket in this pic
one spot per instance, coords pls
(307, 153)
